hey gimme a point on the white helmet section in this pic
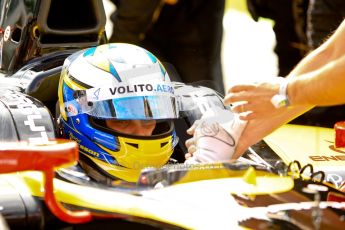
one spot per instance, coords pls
(124, 63)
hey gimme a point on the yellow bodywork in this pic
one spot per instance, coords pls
(308, 145)
(209, 200)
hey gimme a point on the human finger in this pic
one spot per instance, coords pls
(239, 108)
(252, 114)
(241, 87)
(248, 116)
(232, 97)
(239, 96)
(251, 107)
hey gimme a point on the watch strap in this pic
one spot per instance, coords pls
(281, 99)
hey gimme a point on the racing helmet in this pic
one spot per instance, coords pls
(117, 81)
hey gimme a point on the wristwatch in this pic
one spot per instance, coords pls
(281, 99)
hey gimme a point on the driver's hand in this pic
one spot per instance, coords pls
(191, 143)
(214, 138)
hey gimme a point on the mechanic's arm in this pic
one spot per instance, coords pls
(331, 50)
(325, 85)
(326, 61)
(316, 80)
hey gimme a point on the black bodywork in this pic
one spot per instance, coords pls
(35, 38)
(33, 28)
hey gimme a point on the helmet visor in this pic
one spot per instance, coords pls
(144, 101)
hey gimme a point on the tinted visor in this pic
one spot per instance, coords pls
(159, 100)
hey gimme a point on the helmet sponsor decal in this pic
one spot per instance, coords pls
(129, 90)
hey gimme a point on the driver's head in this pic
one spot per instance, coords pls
(117, 102)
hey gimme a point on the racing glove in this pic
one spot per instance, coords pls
(215, 137)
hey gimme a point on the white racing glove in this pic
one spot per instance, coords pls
(216, 136)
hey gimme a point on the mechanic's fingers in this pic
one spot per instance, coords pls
(246, 111)
(248, 116)
(232, 97)
(238, 97)
(238, 88)
(247, 107)
(240, 108)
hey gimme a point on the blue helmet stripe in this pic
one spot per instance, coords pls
(113, 71)
(152, 57)
(90, 51)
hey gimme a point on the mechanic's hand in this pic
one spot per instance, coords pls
(253, 101)
(214, 138)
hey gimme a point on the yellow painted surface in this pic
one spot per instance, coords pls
(210, 200)
(308, 145)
